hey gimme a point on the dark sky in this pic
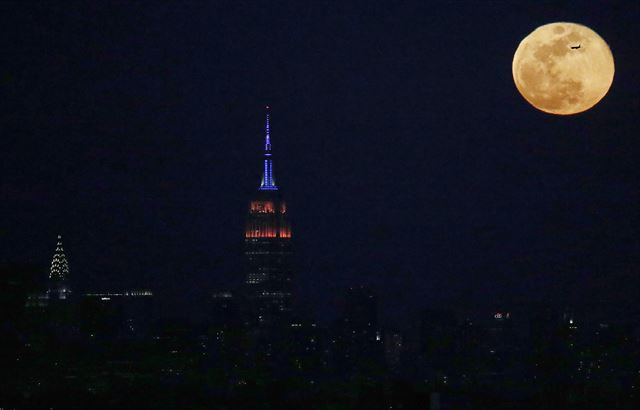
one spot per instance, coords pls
(409, 159)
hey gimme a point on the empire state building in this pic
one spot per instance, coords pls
(268, 248)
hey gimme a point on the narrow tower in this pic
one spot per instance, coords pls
(58, 274)
(268, 246)
(268, 181)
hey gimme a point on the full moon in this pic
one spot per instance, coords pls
(563, 68)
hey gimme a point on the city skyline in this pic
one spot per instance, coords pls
(269, 201)
(442, 188)
(320, 205)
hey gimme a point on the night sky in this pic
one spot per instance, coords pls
(409, 159)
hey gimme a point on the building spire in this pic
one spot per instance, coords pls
(268, 181)
(58, 286)
(59, 266)
(267, 142)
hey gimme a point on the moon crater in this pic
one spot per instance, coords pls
(563, 68)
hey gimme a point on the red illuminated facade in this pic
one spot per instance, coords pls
(267, 219)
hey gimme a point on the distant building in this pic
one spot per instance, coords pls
(268, 248)
(361, 312)
(393, 348)
(306, 347)
(111, 314)
(57, 287)
(440, 338)
(18, 284)
(59, 273)
(357, 343)
(223, 311)
(106, 296)
(438, 333)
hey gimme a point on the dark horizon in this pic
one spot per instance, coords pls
(409, 160)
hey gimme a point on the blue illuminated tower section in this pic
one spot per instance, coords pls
(268, 248)
(268, 182)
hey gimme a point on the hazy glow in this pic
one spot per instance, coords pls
(268, 232)
(262, 207)
(269, 220)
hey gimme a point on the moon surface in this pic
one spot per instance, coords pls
(563, 68)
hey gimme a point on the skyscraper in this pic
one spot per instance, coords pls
(58, 274)
(268, 247)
